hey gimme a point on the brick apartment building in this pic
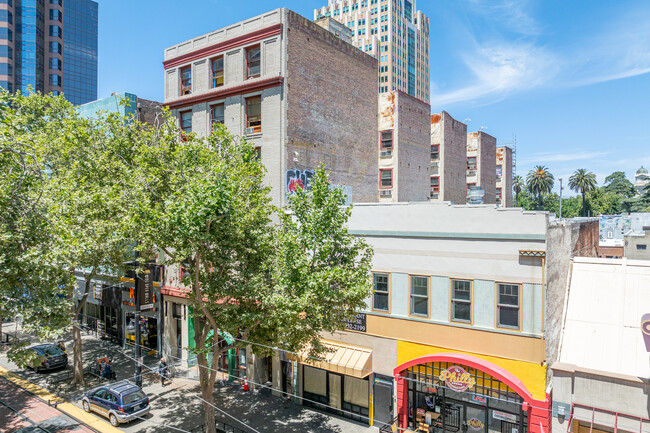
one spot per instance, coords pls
(481, 164)
(404, 148)
(299, 92)
(504, 176)
(394, 32)
(448, 153)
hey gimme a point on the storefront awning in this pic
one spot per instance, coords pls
(341, 358)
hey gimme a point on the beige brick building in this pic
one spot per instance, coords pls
(403, 148)
(504, 176)
(394, 32)
(301, 94)
(448, 154)
(481, 164)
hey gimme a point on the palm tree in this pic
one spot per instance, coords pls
(539, 181)
(582, 181)
(517, 186)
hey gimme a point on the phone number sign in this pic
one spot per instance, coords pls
(358, 323)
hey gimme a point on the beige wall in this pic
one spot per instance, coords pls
(632, 249)
(504, 158)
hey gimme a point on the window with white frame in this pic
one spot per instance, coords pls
(461, 301)
(508, 306)
(381, 295)
(419, 296)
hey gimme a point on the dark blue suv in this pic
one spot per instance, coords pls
(120, 402)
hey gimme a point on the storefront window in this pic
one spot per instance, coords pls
(479, 403)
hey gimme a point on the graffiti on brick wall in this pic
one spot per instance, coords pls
(295, 179)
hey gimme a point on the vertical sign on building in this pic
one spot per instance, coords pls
(146, 290)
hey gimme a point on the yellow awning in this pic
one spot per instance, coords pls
(341, 358)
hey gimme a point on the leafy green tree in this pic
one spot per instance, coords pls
(517, 185)
(583, 181)
(31, 270)
(539, 181)
(82, 186)
(202, 202)
(617, 183)
(601, 202)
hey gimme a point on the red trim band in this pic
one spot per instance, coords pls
(248, 38)
(252, 86)
(497, 372)
(176, 292)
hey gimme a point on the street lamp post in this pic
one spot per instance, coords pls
(560, 179)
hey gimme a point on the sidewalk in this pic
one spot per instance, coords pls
(178, 405)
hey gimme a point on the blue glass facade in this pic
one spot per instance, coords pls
(36, 47)
(411, 62)
(80, 51)
(29, 55)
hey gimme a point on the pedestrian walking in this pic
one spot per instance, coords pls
(163, 371)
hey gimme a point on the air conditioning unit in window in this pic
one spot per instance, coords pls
(386, 153)
(249, 130)
(386, 193)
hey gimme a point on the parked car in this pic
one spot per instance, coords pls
(119, 402)
(50, 356)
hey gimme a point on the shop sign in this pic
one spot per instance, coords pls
(645, 328)
(358, 323)
(475, 424)
(503, 416)
(479, 399)
(145, 290)
(457, 379)
(98, 289)
(421, 411)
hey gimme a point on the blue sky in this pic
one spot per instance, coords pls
(571, 79)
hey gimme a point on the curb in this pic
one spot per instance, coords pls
(70, 409)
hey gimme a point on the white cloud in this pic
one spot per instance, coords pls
(500, 70)
(563, 157)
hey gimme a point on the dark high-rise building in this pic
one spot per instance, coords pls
(50, 45)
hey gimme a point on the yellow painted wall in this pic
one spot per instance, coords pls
(533, 375)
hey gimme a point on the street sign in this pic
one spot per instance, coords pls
(146, 307)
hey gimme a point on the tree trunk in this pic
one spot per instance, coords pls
(77, 354)
(2, 346)
(584, 208)
(201, 330)
(539, 201)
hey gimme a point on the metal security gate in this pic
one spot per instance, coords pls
(383, 400)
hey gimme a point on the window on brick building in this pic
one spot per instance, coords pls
(471, 163)
(253, 114)
(435, 186)
(217, 114)
(386, 178)
(186, 121)
(216, 67)
(499, 170)
(186, 80)
(253, 62)
(435, 152)
(498, 196)
(470, 185)
(386, 140)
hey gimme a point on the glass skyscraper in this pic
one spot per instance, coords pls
(49, 46)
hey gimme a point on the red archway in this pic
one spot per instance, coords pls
(539, 411)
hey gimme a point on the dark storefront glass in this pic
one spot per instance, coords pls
(489, 406)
